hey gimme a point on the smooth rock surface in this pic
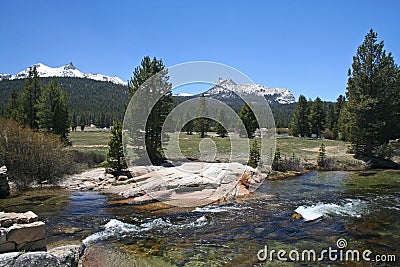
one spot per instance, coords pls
(189, 182)
(7, 219)
(65, 256)
(24, 233)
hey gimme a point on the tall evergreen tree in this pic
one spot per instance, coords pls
(220, 130)
(316, 117)
(115, 156)
(249, 120)
(189, 126)
(13, 109)
(254, 156)
(336, 124)
(300, 124)
(30, 98)
(330, 120)
(202, 122)
(52, 110)
(372, 91)
(158, 87)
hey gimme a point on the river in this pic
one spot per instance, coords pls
(361, 210)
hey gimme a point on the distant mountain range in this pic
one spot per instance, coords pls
(226, 89)
(100, 99)
(223, 90)
(68, 70)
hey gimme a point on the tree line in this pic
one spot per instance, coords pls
(89, 101)
(368, 116)
(317, 118)
(40, 107)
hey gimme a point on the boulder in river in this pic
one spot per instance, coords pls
(193, 184)
(186, 184)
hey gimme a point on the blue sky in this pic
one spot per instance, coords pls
(306, 46)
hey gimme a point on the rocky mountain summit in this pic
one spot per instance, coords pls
(227, 88)
(68, 70)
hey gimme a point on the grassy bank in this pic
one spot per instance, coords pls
(90, 141)
(305, 149)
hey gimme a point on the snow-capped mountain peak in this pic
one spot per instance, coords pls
(223, 87)
(68, 70)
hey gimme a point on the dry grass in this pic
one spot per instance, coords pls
(306, 149)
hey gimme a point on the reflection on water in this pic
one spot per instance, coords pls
(365, 210)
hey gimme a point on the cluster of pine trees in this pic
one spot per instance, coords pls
(40, 107)
(317, 118)
(89, 101)
(369, 115)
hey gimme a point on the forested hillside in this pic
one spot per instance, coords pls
(89, 101)
(101, 103)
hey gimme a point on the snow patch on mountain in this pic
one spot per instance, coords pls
(183, 94)
(227, 88)
(68, 70)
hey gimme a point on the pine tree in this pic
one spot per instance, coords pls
(336, 126)
(115, 156)
(330, 116)
(30, 98)
(321, 160)
(189, 126)
(157, 88)
(52, 110)
(13, 109)
(316, 117)
(372, 91)
(277, 162)
(300, 123)
(254, 157)
(249, 120)
(220, 129)
(202, 122)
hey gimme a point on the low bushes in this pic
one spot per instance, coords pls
(32, 158)
(87, 159)
(282, 163)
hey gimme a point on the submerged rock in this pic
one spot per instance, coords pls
(297, 216)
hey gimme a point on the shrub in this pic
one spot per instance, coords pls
(291, 164)
(285, 164)
(32, 158)
(328, 134)
(87, 159)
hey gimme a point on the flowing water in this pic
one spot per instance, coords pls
(362, 209)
